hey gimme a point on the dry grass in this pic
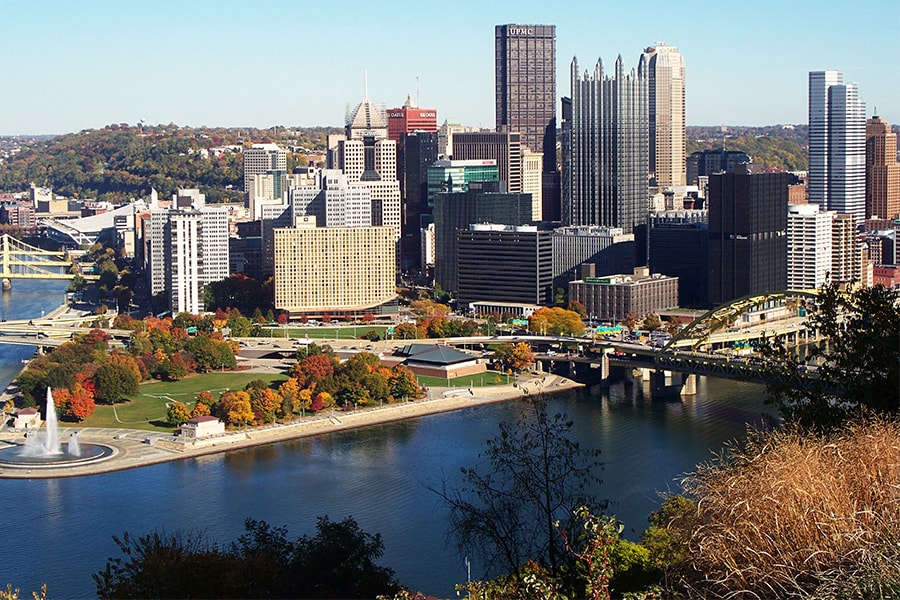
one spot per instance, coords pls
(795, 515)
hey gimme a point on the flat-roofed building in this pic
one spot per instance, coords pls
(610, 298)
(335, 270)
(809, 246)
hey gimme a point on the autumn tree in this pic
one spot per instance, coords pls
(313, 369)
(177, 413)
(555, 321)
(402, 384)
(514, 356)
(234, 408)
(116, 378)
(652, 322)
(406, 331)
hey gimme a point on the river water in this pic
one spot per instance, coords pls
(60, 531)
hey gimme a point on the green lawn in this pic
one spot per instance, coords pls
(147, 409)
(482, 379)
(318, 333)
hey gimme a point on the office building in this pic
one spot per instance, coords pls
(451, 176)
(809, 246)
(709, 162)
(837, 145)
(409, 118)
(679, 247)
(611, 298)
(503, 147)
(525, 97)
(504, 264)
(339, 271)
(188, 250)
(882, 170)
(416, 152)
(665, 77)
(259, 159)
(608, 150)
(848, 254)
(609, 249)
(747, 235)
(482, 203)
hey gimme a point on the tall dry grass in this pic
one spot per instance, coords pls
(797, 515)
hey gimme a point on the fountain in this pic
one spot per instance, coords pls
(43, 449)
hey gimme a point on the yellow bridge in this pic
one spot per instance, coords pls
(23, 261)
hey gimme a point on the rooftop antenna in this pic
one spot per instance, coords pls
(366, 79)
(417, 91)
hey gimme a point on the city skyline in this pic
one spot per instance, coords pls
(82, 66)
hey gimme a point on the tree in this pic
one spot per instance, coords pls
(117, 378)
(652, 322)
(313, 369)
(177, 413)
(406, 331)
(402, 383)
(856, 370)
(514, 356)
(533, 478)
(234, 408)
(555, 321)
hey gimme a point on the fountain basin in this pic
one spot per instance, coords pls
(14, 457)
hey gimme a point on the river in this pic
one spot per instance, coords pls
(60, 531)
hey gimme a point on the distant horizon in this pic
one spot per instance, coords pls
(89, 64)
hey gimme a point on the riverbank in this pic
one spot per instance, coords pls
(134, 448)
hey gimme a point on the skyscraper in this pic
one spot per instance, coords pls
(666, 105)
(525, 71)
(837, 145)
(882, 170)
(608, 150)
(260, 159)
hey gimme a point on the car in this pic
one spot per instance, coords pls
(551, 353)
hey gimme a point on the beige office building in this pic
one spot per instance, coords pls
(882, 170)
(334, 270)
(666, 103)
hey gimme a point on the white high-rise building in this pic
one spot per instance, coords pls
(837, 145)
(260, 159)
(188, 249)
(809, 239)
(665, 67)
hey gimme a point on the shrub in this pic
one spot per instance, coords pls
(795, 514)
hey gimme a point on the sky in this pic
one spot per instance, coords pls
(68, 66)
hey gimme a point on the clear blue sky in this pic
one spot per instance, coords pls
(69, 66)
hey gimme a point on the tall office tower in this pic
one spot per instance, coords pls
(417, 152)
(607, 248)
(409, 118)
(679, 247)
(609, 149)
(808, 245)
(525, 96)
(837, 145)
(504, 147)
(485, 251)
(747, 235)
(260, 159)
(482, 203)
(848, 254)
(334, 270)
(189, 247)
(665, 78)
(882, 170)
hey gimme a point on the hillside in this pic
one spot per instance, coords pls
(775, 146)
(121, 162)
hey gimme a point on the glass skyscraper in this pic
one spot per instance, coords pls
(837, 145)
(608, 150)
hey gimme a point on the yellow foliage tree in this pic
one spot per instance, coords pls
(234, 408)
(555, 321)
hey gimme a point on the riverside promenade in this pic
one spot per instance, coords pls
(137, 448)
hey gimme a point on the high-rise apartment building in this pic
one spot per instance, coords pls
(808, 245)
(882, 170)
(837, 145)
(608, 149)
(665, 76)
(747, 235)
(260, 159)
(188, 250)
(525, 97)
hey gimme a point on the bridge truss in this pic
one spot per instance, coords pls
(19, 260)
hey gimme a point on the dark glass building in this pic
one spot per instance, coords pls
(482, 203)
(504, 264)
(681, 249)
(747, 235)
(416, 152)
(710, 162)
(525, 71)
